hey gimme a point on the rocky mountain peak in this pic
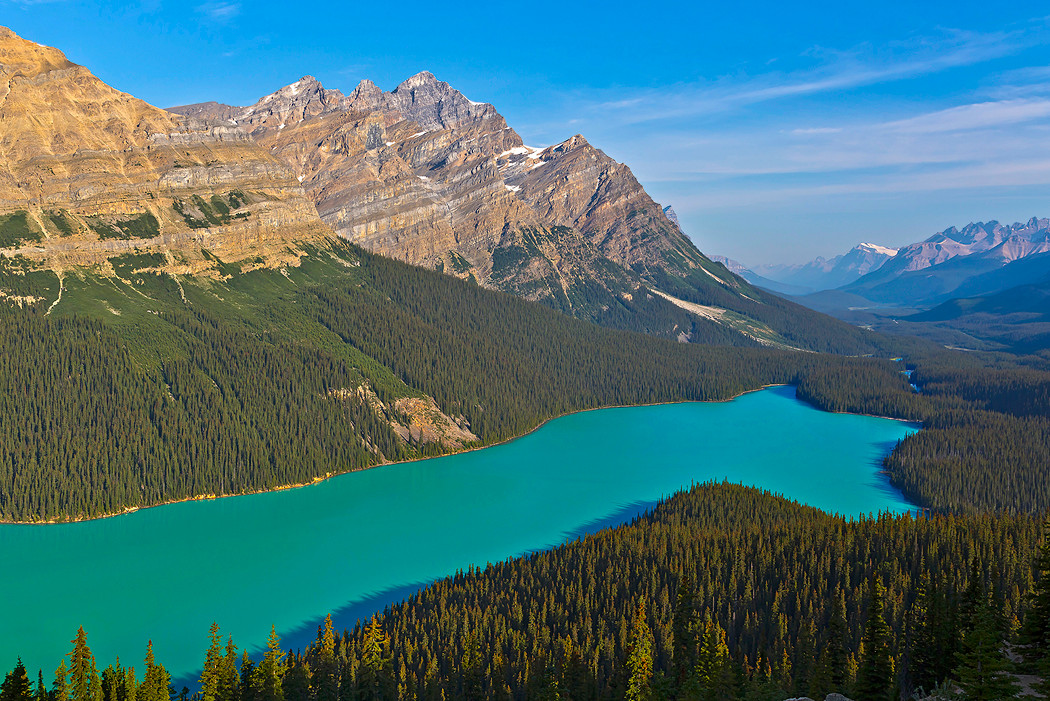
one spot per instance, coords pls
(51, 107)
(122, 175)
(417, 80)
(367, 95)
(673, 217)
(21, 57)
(571, 144)
(876, 248)
(434, 104)
(292, 104)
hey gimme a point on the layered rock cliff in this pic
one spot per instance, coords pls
(89, 173)
(424, 174)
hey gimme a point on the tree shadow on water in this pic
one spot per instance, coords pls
(346, 617)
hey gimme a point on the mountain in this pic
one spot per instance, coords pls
(1016, 318)
(826, 274)
(979, 287)
(89, 173)
(738, 268)
(927, 273)
(425, 175)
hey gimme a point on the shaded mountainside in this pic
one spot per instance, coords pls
(427, 176)
(89, 172)
(1018, 318)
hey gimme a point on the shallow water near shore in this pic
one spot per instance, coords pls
(356, 542)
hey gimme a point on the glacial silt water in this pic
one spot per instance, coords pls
(353, 543)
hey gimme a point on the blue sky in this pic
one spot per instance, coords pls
(778, 131)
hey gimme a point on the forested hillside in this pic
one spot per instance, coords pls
(141, 387)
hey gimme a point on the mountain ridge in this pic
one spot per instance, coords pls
(425, 175)
(829, 273)
(90, 172)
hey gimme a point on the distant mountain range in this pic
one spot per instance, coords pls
(826, 274)
(947, 263)
(980, 286)
(818, 274)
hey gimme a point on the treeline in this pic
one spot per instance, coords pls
(722, 592)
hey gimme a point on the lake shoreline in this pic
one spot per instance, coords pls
(327, 476)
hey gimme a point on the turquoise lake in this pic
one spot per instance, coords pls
(356, 542)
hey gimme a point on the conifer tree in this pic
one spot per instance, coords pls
(155, 680)
(838, 656)
(131, 686)
(247, 683)
(325, 670)
(983, 669)
(923, 648)
(473, 666)
(805, 657)
(210, 675)
(972, 598)
(228, 678)
(271, 670)
(15, 686)
(60, 687)
(714, 674)
(374, 678)
(686, 630)
(820, 685)
(41, 690)
(1035, 633)
(84, 681)
(639, 657)
(112, 683)
(296, 681)
(875, 676)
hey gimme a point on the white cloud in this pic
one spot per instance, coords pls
(984, 115)
(837, 71)
(220, 11)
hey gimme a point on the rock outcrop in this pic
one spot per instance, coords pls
(90, 173)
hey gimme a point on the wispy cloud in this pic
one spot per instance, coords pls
(984, 115)
(835, 71)
(220, 11)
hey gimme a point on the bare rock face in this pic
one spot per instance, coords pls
(90, 172)
(413, 174)
(434, 104)
(577, 185)
(428, 176)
